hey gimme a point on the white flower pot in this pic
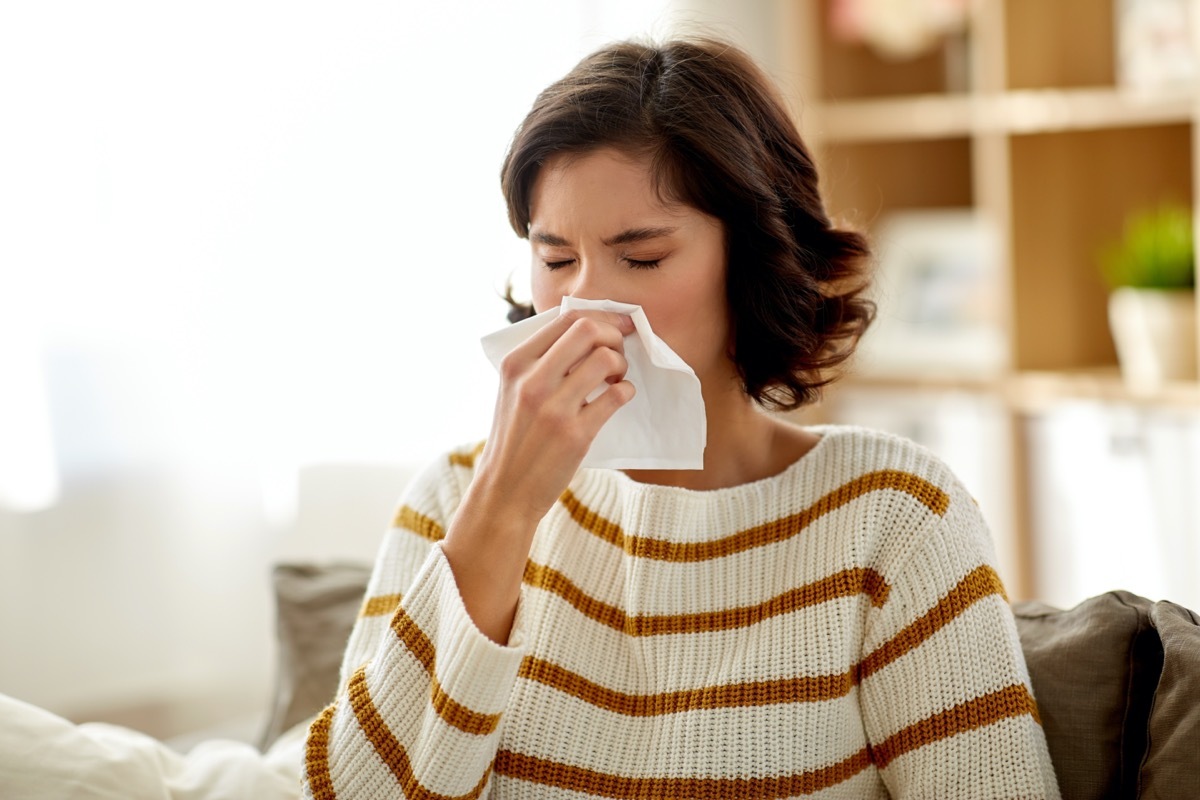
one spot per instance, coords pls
(1155, 334)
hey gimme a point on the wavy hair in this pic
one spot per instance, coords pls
(718, 139)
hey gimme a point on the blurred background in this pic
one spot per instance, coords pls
(247, 251)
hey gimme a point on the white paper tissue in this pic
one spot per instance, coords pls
(663, 426)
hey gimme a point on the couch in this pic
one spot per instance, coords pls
(1117, 679)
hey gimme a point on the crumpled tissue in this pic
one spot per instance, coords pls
(663, 426)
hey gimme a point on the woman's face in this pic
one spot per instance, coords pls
(599, 231)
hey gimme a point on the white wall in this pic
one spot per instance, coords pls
(241, 240)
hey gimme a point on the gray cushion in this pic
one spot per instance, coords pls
(1172, 764)
(1094, 670)
(316, 606)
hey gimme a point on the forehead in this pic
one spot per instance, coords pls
(599, 186)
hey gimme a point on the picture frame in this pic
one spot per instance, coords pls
(937, 296)
(1156, 44)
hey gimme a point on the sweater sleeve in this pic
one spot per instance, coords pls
(946, 699)
(422, 689)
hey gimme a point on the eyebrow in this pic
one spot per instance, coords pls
(548, 239)
(624, 237)
(638, 235)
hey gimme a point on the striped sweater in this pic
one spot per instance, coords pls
(837, 630)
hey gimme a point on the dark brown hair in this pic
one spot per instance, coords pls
(719, 140)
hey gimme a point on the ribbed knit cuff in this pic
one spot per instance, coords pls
(470, 667)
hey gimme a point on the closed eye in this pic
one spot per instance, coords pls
(552, 265)
(635, 264)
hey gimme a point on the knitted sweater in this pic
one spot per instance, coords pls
(836, 630)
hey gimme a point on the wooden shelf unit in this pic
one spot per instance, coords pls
(934, 116)
(1022, 119)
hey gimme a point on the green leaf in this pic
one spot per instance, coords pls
(1157, 251)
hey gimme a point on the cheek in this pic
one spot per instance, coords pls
(697, 303)
(692, 326)
(694, 322)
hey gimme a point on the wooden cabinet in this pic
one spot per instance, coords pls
(1022, 119)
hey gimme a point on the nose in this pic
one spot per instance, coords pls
(588, 282)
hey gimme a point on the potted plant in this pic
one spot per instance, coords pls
(1152, 307)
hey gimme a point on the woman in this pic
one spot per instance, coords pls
(815, 611)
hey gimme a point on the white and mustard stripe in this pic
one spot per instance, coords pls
(827, 632)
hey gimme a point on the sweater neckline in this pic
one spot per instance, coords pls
(614, 479)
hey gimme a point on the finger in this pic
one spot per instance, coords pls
(581, 339)
(624, 322)
(541, 342)
(556, 349)
(602, 365)
(600, 410)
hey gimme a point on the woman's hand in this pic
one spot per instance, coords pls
(542, 429)
(543, 424)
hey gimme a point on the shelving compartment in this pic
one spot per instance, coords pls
(1071, 194)
(853, 70)
(1059, 44)
(862, 181)
(936, 273)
